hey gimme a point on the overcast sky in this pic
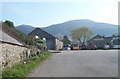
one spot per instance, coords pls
(42, 13)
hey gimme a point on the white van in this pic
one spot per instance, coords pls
(115, 43)
(66, 47)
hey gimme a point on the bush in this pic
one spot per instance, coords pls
(21, 70)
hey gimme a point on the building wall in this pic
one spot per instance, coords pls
(99, 44)
(59, 44)
(11, 54)
(0, 54)
(54, 44)
(50, 43)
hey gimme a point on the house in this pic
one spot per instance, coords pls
(52, 42)
(100, 41)
(75, 45)
(66, 40)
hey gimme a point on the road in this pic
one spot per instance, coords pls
(82, 63)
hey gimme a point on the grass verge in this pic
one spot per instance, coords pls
(22, 69)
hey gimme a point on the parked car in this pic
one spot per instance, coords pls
(66, 47)
(83, 47)
(115, 43)
(116, 46)
(93, 47)
(106, 47)
(75, 47)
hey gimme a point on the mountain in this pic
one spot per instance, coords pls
(97, 28)
(26, 29)
(62, 29)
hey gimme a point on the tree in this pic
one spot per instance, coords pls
(9, 28)
(9, 23)
(82, 34)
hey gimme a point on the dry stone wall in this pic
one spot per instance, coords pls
(11, 54)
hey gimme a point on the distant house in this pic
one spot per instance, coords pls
(75, 45)
(66, 40)
(52, 42)
(100, 41)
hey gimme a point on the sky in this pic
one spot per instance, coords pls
(42, 13)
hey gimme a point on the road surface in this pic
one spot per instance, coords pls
(82, 63)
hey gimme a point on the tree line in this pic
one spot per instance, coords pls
(28, 41)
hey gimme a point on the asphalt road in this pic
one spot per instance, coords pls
(83, 63)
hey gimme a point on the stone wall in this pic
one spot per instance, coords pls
(59, 44)
(11, 54)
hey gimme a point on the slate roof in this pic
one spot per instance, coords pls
(108, 39)
(8, 39)
(42, 33)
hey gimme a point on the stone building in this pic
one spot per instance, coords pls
(52, 42)
(66, 40)
(100, 41)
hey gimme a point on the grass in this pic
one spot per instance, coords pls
(21, 70)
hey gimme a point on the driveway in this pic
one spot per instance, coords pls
(82, 63)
